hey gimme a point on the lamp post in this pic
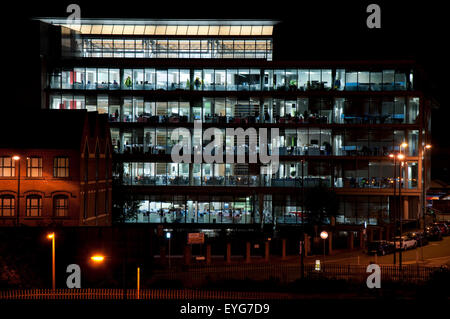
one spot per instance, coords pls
(394, 212)
(302, 244)
(401, 157)
(16, 158)
(52, 237)
(424, 180)
(168, 236)
(400, 166)
(424, 198)
(324, 236)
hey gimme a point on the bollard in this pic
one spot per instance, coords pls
(247, 252)
(228, 253)
(283, 249)
(266, 251)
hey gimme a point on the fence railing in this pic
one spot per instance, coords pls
(207, 274)
(134, 294)
(288, 273)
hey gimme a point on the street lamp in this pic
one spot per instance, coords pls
(324, 236)
(16, 158)
(400, 157)
(168, 236)
(302, 242)
(424, 179)
(424, 198)
(52, 237)
(98, 258)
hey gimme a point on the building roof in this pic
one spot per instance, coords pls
(48, 129)
(162, 27)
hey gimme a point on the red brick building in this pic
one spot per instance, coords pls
(55, 169)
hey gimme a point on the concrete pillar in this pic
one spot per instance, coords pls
(361, 239)
(247, 252)
(283, 249)
(208, 254)
(162, 254)
(266, 251)
(330, 243)
(187, 254)
(405, 208)
(350, 240)
(307, 245)
(228, 253)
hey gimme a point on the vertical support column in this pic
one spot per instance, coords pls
(187, 254)
(266, 251)
(191, 174)
(261, 208)
(283, 249)
(307, 248)
(247, 252)
(162, 254)
(350, 240)
(405, 208)
(330, 243)
(208, 254)
(228, 253)
(361, 239)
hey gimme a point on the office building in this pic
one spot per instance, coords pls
(338, 123)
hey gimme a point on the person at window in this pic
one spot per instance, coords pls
(266, 117)
(197, 83)
(128, 82)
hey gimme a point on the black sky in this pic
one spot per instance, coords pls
(310, 30)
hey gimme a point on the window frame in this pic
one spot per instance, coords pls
(30, 168)
(29, 207)
(12, 168)
(57, 207)
(57, 167)
(12, 205)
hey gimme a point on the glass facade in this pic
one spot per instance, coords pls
(303, 110)
(212, 48)
(337, 124)
(343, 174)
(239, 79)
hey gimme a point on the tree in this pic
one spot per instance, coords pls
(320, 203)
(124, 205)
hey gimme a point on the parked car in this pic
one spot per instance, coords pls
(420, 238)
(404, 242)
(443, 227)
(380, 247)
(433, 232)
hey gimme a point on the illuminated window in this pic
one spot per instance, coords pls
(61, 167)
(7, 205)
(34, 206)
(7, 166)
(34, 167)
(61, 206)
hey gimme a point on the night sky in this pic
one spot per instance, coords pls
(310, 30)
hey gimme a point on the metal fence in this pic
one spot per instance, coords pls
(198, 275)
(134, 294)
